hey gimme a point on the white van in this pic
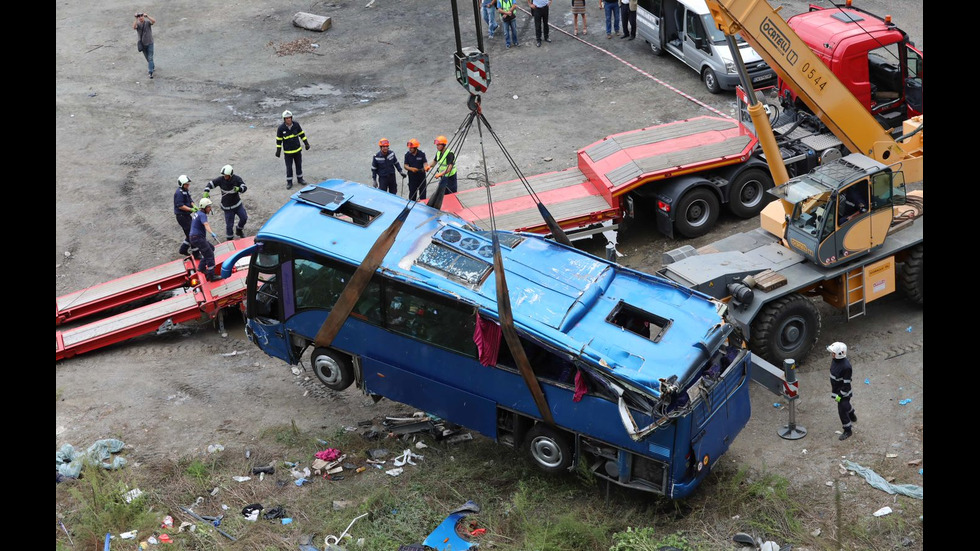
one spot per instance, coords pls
(686, 30)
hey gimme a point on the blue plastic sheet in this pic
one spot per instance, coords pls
(877, 481)
(69, 462)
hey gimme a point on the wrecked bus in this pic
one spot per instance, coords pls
(645, 380)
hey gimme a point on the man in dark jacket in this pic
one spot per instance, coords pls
(231, 187)
(840, 387)
(183, 209)
(288, 141)
(383, 167)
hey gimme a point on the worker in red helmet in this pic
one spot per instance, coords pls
(417, 165)
(383, 168)
(445, 164)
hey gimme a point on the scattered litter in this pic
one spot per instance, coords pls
(168, 522)
(909, 330)
(300, 481)
(867, 381)
(377, 453)
(152, 540)
(421, 445)
(215, 448)
(920, 471)
(883, 511)
(340, 504)
(287, 520)
(815, 533)
(776, 404)
(69, 462)
(829, 483)
(305, 473)
(395, 472)
(329, 454)
(233, 353)
(164, 538)
(459, 438)
(132, 494)
(360, 469)
(296, 370)
(128, 535)
(241, 478)
(515, 96)
(189, 525)
(914, 462)
(336, 539)
(877, 481)
(406, 457)
(276, 512)
(905, 401)
(890, 455)
(769, 546)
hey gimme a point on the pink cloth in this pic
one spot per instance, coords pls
(487, 339)
(580, 388)
(328, 454)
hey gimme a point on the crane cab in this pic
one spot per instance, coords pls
(841, 210)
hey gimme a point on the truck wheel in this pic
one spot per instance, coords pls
(747, 196)
(657, 50)
(911, 275)
(710, 80)
(548, 448)
(786, 328)
(332, 368)
(697, 213)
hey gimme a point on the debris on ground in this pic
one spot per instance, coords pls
(455, 533)
(877, 481)
(69, 462)
(883, 511)
(298, 46)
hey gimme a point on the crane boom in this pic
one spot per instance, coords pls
(816, 85)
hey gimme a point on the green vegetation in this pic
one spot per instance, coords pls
(521, 509)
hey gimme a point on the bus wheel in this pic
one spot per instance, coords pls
(332, 368)
(748, 193)
(911, 275)
(786, 328)
(548, 448)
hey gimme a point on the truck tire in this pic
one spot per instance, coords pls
(696, 213)
(548, 448)
(332, 368)
(910, 276)
(657, 50)
(747, 196)
(786, 328)
(710, 80)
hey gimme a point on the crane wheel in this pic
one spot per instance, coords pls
(910, 277)
(785, 328)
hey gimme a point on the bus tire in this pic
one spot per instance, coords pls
(786, 328)
(747, 196)
(697, 212)
(548, 448)
(911, 275)
(332, 368)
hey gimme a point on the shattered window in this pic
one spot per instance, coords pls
(452, 263)
(430, 318)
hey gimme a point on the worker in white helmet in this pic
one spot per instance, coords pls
(231, 186)
(288, 138)
(184, 208)
(840, 387)
(200, 228)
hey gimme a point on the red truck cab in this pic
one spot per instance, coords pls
(869, 54)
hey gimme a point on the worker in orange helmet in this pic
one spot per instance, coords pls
(417, 165)
(445, 164)
(383, 168)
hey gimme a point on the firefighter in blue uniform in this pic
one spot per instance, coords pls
(840, 387)
(231, 187)
(288, 141)
(383, 167)
(183, 209)
(200, 228)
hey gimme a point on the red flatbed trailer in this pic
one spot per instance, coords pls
(595, 190)
(200, 300)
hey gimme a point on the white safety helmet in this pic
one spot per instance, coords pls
(838, 349)
(227, 170)
(204, 203)
(183, 179)
(286, 114)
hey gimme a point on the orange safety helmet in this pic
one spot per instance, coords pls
(383, 142)
(413, 143)
(441, 140)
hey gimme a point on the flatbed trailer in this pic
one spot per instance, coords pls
(596, 193)
(193, 299)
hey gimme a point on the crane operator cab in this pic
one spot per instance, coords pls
(841, 210)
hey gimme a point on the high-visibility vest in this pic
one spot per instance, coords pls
(441, 159)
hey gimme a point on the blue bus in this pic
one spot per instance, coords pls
(646, 381)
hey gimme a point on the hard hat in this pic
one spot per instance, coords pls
(287, 114)
(183, 179)
(383, 142)
(441, 140)
(413, 143)
(838, 349)
(227, 170)
(204, 203)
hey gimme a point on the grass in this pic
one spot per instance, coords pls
(521, 508)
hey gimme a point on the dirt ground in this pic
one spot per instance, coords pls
(382, 70)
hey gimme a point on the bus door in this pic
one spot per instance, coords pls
(265, 309)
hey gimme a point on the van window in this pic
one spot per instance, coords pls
(655, 7)
(695, 30)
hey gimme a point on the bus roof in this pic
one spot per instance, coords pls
(564, 297)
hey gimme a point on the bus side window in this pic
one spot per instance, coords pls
(429, 318)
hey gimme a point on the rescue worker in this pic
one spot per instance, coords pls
(288, 141)
(840, 387)
(200, 228)
(417, 165)
(183, 209)
(383, 167)
(445, 164)
(231, 186)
